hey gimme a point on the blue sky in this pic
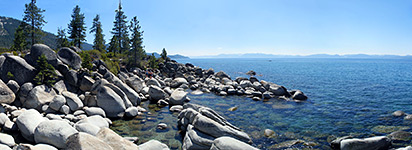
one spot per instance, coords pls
(209, 27)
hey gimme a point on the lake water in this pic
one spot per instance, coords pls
(346, 97)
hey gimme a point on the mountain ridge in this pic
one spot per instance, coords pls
(263, 55)
(9, 25)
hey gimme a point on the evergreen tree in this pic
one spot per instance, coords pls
(99, 36)
(120, 31)
(164, 54)
(20, 38)
(33, 16)
(152, 62)
(86, 60)
(137, 42)
(62, 40)
(46, 72)
(114, 45)
(77, 28)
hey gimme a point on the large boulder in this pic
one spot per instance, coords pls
(54, 132)
(6, 94)
(372, 143)
(222, 75)
(86, 83)
(21, 70)
(73, 101)
(114, 140)
(84, 141)
(178, 97)
(7, 140)
(136, 83)
(110, 102)
(90, 111)
(27, 123)
(87, 128)
(277, 90)
(69, 57)
(57, 102)
(40, 49)
(194, 139)
(96, 120)
(153, 145)
(209, 122)
(230, 143)
(177, 82)
(156, 93)
(39, 96)
(153, 81)
(130, 93)
(298, 95)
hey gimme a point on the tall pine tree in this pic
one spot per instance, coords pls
(77, 27)
(33, 16)
(136, 50)
(20, 38)
(62, 40)
(120, 32)
(98, 42)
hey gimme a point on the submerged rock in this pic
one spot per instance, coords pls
(372, 143)
(153, 145)
(84, 141)
(178, 97)
(230, 143)
(398, 113)
(114, 140)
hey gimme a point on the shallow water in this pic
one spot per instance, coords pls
(346, 97)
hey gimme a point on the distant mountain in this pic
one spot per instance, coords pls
(262, 55)
(177, 56)
(9, 25)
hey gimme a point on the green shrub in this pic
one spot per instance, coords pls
(86, 60)
(10, 76)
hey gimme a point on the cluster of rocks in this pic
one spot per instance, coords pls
(195, 78)
(80, 103)
(376, 142)
(74, 113)
(206, 129)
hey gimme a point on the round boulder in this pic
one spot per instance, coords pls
(69, 57)
(54, 132)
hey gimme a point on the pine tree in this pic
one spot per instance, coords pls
(137, 42)
(152, 62)
(46, 72)
(33, 16)
(120, 31)
(164, 54)
(99, 42)
(77, 28)
(20, 38)
(62, 40)
(114, 45)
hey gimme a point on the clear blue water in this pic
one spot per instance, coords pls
(346, 97)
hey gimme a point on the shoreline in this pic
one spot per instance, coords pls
(83, 102)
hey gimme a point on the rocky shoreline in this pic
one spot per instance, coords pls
(77, 111)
